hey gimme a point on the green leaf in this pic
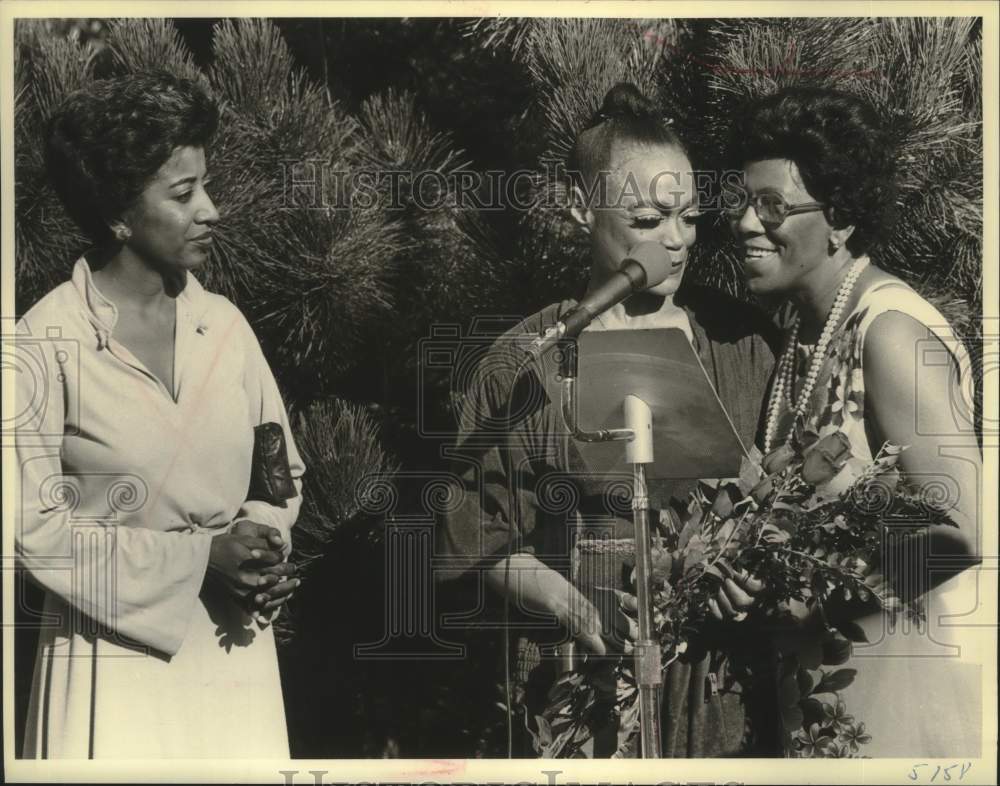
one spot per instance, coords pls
(805, 682)
(561, 723)
(559, 743)
(788, 692)
(581, 734)
(836, 651)
(564, 686)
(750, 474)
(628, 723)
(836, 681)
(773, 534)
(812, 710)
(792, 718)
(695, 552)
(744, 505)
(544, 730)
(808, 651)
(692, 526)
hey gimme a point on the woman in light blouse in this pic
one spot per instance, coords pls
(869, 360)
(134, 441)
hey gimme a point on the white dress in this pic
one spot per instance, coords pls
(916, 690)
(121, 485)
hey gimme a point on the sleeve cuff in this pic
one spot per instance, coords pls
(169, 637)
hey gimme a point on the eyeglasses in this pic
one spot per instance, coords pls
(771, 209)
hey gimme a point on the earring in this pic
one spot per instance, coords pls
(123, 233)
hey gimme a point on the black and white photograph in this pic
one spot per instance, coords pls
(421, 392)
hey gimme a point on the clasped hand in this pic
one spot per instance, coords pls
(736, 594)
(733, 600)
(248, 562)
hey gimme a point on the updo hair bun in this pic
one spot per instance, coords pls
(624, 101)
(626, 118)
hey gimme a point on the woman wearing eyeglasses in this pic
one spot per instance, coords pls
(864, 355)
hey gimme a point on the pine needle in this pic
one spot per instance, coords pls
(150, 45)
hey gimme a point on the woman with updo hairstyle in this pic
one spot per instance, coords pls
(522, 555)
(162, 564)
(867, 358)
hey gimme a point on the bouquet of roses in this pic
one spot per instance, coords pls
(808, 522)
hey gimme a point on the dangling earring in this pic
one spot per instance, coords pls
(834, 246)
(123, 234)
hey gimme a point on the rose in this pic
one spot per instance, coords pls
(778, 459)
(842, 481)
(824, 460)
(773, 464)
(726, 498)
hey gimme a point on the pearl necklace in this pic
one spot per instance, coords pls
(783, 387)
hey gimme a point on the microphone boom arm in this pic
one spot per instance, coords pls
(570, 403)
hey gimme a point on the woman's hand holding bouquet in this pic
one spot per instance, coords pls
(793, 546)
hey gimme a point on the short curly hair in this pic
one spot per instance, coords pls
(105, 142)
(841, 150)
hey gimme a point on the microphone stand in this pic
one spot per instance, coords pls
(639, 452)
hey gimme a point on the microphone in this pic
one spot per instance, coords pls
(646, 265)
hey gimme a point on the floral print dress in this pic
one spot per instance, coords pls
(915, 690)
